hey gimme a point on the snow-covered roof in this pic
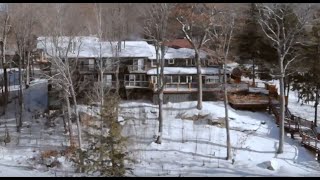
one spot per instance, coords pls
(185, 70)
(181, 53)
(89, 47)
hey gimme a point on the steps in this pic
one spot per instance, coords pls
(295, 124)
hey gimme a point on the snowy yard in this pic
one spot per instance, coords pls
(191, 147)
(194, 148)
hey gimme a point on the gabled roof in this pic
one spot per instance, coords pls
(89, 47)
(171, 53)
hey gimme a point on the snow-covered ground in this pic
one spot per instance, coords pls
(35, 137)
(194, 148)
(191, 146)
(305, 111)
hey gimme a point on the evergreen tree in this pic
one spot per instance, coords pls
(252, 45)
(106, 146)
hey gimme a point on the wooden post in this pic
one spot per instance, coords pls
(318, 156)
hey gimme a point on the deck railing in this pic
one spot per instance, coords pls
(143, 84)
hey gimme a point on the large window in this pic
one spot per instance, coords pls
(190, 62)
(138, 64)
(175, 79)
(108, 63)
(87, 64)
(183, 79)
(189, 79)
(108, 79)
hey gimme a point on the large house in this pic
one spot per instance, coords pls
(135, 62)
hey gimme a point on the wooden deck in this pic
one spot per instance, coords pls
(248, 101)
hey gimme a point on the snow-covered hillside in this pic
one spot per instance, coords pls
(193, 141)
(194, 148)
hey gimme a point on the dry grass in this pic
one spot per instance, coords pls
(69, 151)
(49, 153)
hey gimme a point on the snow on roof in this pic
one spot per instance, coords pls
(185, 70)
(89, 47)
(181, 53)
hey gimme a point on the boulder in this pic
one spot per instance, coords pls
(272, 165)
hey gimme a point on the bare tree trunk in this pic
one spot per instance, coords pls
(28, 70)
(160, 94)
(199, 74)
(282, 108)
(117, 77)
(32, 65)
(20, 95)
(253, 72)
(64, 119)
(4, 63)
(316, 107)
(229, 156)
(77, 116)
(66, 97)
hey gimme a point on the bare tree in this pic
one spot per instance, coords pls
(59, 48)
(5, 31)
(222, 23)
(156, 29)
(195, 26)
(282, 24)
(22, 25)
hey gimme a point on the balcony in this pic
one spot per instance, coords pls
(136, 69)
(191, 87)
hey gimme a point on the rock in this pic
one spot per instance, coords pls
(51, 162)
(153, 111)
(120, 119)
(263, 122)
(48, 161)
(272, 165)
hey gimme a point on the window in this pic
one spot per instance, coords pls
(132, 79)
(138, 64)
(170, 61)
(189, 79)
(153, 63)
(107, 63)
(167, 79)
(190, 62)
(154, 79)
(183, 79)
(212, 79)
(108, 79)
(175, 79)
(91, 64)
